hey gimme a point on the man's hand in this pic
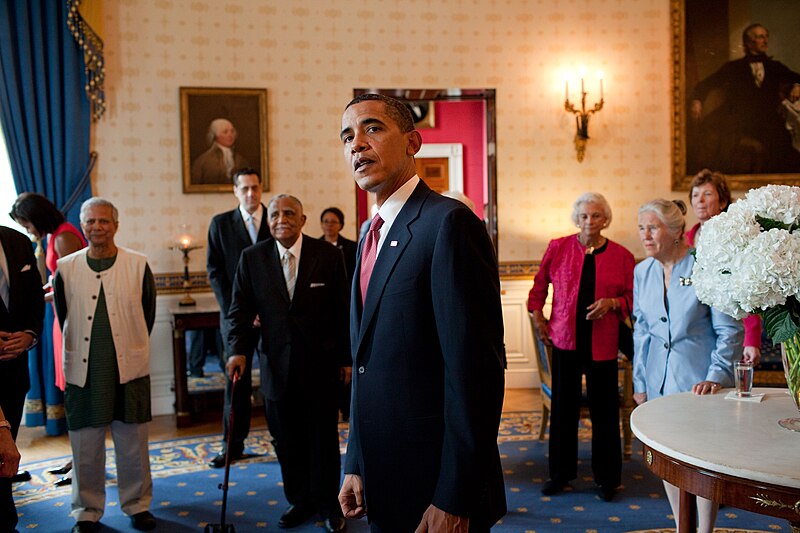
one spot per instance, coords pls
(346, 375)
(351, 497)
(9, 455)
(639, 397)
(13, 344)
(235, 363)
(435, 520)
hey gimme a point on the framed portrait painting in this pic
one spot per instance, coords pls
(222, 130)
(736, 91)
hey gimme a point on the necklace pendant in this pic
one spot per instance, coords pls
(590, 250)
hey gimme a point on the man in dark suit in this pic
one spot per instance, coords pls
(21, 317)
(427, 342)
(736, 120)
(298, 287)
(230, 233)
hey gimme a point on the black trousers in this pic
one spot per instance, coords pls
(14, 384)
(305, 432)
(375, 528)
(603, 398)
(242, 405)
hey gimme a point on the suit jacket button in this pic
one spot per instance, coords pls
(361, 370)
(663, 319)
(666, 346)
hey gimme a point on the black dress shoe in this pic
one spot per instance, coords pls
(63, 481)
(606, 493)
(219, 460)
(335, 524)
(553, 486)
(144, 521)
(294, 515)
(61, 470)
(84, 526)
(20, 476)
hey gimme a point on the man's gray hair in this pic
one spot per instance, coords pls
(97, 201)
(284, 195)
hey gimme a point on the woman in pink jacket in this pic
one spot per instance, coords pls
(592, 279)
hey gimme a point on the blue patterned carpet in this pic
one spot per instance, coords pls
(187, 497)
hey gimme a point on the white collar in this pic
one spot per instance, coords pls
(295, 248)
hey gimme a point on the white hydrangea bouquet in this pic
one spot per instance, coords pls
(748, 261)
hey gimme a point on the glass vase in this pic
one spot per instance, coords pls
(790, 354)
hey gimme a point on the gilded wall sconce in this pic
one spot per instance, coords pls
(582, 116)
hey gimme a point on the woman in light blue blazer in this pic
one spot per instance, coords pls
(680, 344)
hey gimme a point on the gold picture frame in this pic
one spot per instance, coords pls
(705, 36)
(205, 159)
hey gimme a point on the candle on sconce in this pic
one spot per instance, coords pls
(600, 75)
(566, 91)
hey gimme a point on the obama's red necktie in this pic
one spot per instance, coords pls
(370, 253)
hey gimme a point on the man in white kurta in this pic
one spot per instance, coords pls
(105, 299)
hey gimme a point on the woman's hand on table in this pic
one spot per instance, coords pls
(706, 387)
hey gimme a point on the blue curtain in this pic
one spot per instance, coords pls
(45, 116)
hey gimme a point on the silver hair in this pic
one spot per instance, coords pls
(591, 198)
(669, 212)
(284, 195)
(214, 126)
(97, 201)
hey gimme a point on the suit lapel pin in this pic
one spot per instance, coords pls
(393, 243)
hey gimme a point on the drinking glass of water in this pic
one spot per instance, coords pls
(744, 378)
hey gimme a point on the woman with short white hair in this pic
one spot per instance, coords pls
(592, 279)
(680, 344)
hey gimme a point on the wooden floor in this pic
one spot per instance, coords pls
(35, 445)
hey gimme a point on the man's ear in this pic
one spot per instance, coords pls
(414, 142)
(303, 221)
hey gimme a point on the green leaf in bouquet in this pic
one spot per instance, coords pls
(781, 321)
(768, 224)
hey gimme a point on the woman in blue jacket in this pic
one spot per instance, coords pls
(680, 344)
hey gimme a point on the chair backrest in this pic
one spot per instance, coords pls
(544, 361)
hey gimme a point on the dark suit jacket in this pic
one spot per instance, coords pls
(349, 249)
(25, 311)
(746, 113)
(428, 369)
(303, 341)
(227, 237)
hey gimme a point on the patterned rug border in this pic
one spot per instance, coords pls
(185, 455)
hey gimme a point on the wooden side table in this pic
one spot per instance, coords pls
(205, 314)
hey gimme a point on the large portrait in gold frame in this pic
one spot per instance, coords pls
(738, 129)
(222, 130)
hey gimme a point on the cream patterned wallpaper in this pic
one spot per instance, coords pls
(311, 54)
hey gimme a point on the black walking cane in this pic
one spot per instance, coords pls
(222, 527)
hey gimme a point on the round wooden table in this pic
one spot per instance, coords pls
(729, 451)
